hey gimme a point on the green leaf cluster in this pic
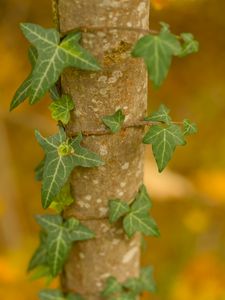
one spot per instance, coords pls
(114, 122)
(49, 57)
(56, 239)
(136, 216)
(165, 137)
(131, 288)
(55, 294)
(158, 51)
(62, 156)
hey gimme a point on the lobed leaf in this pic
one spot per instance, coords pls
(62, 156)
(61, 108)
(138, 219)
(53, 57)
(189, 127)
(157, 52)
(23, 91)
(117, 209)
(164, 141)
(51, 295)
(114, 122)
(81, 233)
(59, 245)
(162, 115)
(189, 46)
(63, 199)
(40, 255)
(112, 286)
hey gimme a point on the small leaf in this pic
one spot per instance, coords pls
(23, 91)
(61, 109)
(62, 156)
(138, 219)
(53, 57)
(50, 222)
(59, 245)
(51, 295)
(112, 286)
(164, 141)
(157, 52)
(147, 280)
(81, 233)
(189, 127)
(74, 297)
(162, 115)
(40, 255)
(134, 285)
(54, 94)
(114, 122)
(140, 223)
(63, 199)
(189, 46)
(39, 170)
(40, 272)
(117, 209)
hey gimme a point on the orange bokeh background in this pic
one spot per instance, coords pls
(189, 197)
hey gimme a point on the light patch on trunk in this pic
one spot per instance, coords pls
(129, 255)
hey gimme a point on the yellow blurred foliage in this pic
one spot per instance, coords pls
(203, 279)
(212, 185)
(196, 220)
(160, 4)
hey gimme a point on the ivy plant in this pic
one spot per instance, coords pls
(131, 288)
(49, 55)
(135, 216)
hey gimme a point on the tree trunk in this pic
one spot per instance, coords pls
(122, 83)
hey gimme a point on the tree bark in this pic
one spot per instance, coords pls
(122, 83)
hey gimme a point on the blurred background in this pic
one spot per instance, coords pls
(189, 197)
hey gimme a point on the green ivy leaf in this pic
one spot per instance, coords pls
(60, 237)
(59, 246)
(114, 122)
(134, 285)
(112, 286)
(61, 108)
(40, 272)
(53, 57)
(54, 94)
(189, 127)
(189, 46)
(23, 91)
(40, 255)
(62, 156)
(157, 52)
(81, 233)
(63, 199)
(138, 219)
(164, 141)
(161, 115)
(117, 209)
(39, 170)
(74, 297)
(147, 280)
(51, 295)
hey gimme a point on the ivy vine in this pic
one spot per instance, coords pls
(49, 54)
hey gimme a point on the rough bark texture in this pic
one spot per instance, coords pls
(122, 83)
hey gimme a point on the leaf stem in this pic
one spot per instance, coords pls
(105, 131)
